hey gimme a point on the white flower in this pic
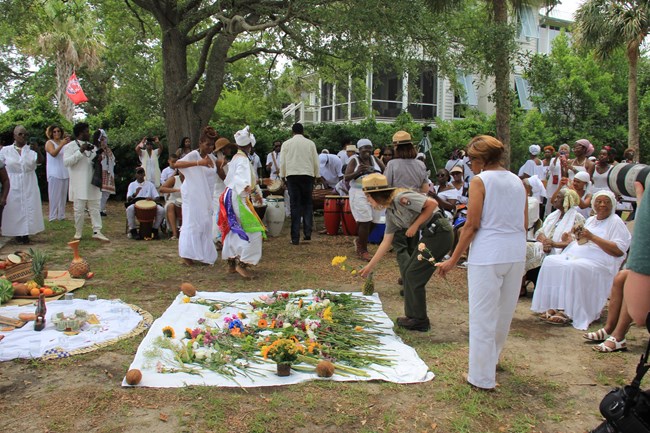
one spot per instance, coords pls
(420, 258)
(201, 353)
(421, 247)
(432, 260)
(286, 325)
(311, 334)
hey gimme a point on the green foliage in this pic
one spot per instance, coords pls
(580, 97)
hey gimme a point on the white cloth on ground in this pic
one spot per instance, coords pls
(407, 368)
(116, 319)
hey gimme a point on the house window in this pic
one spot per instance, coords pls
(327, 101)
(423, 93)
(341, 103)
(523, 92)
(467, 96)
(387, 93)
(527, 22)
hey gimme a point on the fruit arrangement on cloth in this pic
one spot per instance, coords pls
(6, 290)
(32, 289)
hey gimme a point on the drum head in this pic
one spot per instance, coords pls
(275, 185)
(145, 204)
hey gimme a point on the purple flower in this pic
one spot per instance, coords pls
(201, 321)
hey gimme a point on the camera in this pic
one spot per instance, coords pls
(627, 409)
(622, 176)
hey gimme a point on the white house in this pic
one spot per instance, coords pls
(387, 92)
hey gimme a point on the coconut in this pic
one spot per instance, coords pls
(133, 376)
(14, 259)
(188, 289)
(325, 369)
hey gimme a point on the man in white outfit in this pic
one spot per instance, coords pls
(78, 157)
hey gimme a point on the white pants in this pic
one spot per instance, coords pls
(493, 295)
(130, 216)
(57, 192)
(93, 209)
(104, 200)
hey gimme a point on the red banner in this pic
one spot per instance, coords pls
(74, 91)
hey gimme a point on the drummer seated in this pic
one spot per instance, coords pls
(141, 189)
(172, 190)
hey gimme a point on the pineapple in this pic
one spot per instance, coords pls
(368, 286)
(39, 259)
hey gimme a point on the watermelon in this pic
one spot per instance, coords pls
(6, 290)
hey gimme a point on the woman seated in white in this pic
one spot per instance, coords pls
(574, 285)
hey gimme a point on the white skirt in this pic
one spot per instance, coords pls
(580, 287)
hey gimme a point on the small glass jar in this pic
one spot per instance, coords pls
(92, 298)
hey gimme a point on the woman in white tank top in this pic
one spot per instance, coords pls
(496, 228)
(599, 178)
(57, 173)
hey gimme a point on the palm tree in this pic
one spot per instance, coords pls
(70, 41)
(608, 25)
(499, 59)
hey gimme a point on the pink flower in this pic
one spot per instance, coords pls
(420, 257)
(421, 247)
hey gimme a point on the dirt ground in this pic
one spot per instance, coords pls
(549, 375)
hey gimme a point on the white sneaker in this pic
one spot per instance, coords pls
(99, 236)
(77, 236)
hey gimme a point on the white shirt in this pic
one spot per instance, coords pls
(501, 237)
(148, 190)
(55, 167)
(330, 168)
(343, 156)
(80, 168)
(166, 174)
(274, 172)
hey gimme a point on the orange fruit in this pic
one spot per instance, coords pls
(34, 292)
(48, 292)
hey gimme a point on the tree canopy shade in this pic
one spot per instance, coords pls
(609, 25)
(198, 42)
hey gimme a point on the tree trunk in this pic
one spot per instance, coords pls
(633, 102)
(180, 119)
(502, 80)
(63, 72)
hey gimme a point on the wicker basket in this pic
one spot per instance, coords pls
(20, 273)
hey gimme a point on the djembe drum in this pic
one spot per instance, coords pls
(145, 212)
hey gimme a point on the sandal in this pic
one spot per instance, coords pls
(558, 319)
(547, 314)
(600, 335)
(604, 348)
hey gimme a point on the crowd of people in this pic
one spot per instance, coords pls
(555, 226)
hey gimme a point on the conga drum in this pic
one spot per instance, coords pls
(349, 224)
(276, 187)
(318, 197)
(274, 215)
(332, 211)
(145, 212)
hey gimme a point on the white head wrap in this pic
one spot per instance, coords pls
(244, 137)
(102, 134)
(325, 151)
(609, 194)
(534, 149)
(420, 155)
(583, 176)
(363, 142)
(537, 186)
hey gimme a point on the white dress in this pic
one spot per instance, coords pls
(22, 214)
(554, 175)
(195, 241)
(240, 175)
(579, 280)
(151, 165)
(600, 180)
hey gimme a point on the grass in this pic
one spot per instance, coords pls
(148, 274)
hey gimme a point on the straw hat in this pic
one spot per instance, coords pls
(402, 137)
(351, 148)
(375, 182)
(221, 143)
(456, 169)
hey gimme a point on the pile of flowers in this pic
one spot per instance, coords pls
(301, 328)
